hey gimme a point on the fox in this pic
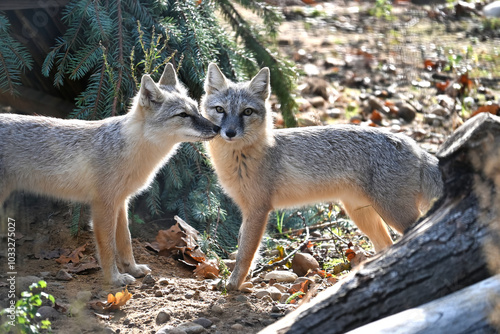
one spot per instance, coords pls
(379, 177)
(104, 162)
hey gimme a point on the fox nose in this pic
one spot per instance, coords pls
(230, 133)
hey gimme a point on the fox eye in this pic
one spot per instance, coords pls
(219, 109)
(248, 111)
(183, 114)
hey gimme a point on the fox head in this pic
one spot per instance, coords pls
(239, 109)
(165, 111)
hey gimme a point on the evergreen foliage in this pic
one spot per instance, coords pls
(14, 59)
(111, 43)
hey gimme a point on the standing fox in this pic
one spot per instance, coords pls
(375, 174)
(104, 162)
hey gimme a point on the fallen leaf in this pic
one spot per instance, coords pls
(73, 257)
(119, 299)
(207, 269)
(83, 268)
(490, 108)
(350, 254)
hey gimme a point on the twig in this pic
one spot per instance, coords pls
(285, 259)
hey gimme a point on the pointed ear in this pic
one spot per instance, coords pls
(260, 84)
(169, 77)
(215, 81)
(149, 92)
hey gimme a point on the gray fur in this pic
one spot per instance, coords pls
(104, 162)
(374, 173)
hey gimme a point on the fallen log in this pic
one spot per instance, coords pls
(443, 253)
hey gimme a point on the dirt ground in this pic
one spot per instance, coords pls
(342, 50)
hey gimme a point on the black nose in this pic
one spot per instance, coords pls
(230, 133)
(216, 129)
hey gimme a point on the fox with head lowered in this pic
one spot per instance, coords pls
(377, 175)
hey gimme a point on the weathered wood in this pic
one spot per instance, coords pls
(464, 311)
(439, 255)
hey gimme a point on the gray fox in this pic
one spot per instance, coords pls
(103, 162)
(375, 174)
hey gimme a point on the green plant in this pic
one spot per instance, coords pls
(25, 311)
(382, 9)
(14, 59)
(279, 220)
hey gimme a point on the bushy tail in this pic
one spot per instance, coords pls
(431, 181)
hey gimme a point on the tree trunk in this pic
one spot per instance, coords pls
(442, 253)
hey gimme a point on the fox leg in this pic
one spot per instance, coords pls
(370, 223)
(124, 246)
(251, 232)
(104, 218)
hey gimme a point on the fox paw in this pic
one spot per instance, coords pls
(139, 270)
(232, 285)
(122, 279)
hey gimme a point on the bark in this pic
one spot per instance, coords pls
(444, 252)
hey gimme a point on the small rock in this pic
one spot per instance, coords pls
(63, 275)
(311, 70)
(206, 323)
(189, 294)
(262, 293)
(47, 312)
(237, 327)
(162, 317)
(191, 327)
(274, 293)
(163, 281)
(303, 262)
(334, 113)
(159, 293)
(284, 298)
(255, 280)
(148, 280)
(241, 298)
(217, 309)
(281, 276)
(170, 330)
(267, 299)
(317, 102)
(23, 283)
(246, 287)
(280, 287)
(84, 296)
(406, 112)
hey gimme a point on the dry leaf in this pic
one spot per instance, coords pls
(350, 254)
(491, 108)
(73, 257)
(207, 269)
(83, 268)
(119, 299)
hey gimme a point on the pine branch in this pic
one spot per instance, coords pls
(120, 57)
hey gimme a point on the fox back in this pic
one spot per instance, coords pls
(374, 173)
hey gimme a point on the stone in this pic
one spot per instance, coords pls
(303, 262)
(406, 112)
(284, 298)
(191, 327)
(241, 299)
(148, 280)
(23, 283)
(162, 317)
(63, 275)
(246, 287)
(237, 327)
(163, 281)
(280, 287)
(317, 102)
(206, 323)
(217, 309)
(262, 293)
(281, 276)
(274, 293)
(170, 330)
(47, 312)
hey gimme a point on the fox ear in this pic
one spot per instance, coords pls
(169, 77)
(260, 83)
(149, 92)
(215, 81)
